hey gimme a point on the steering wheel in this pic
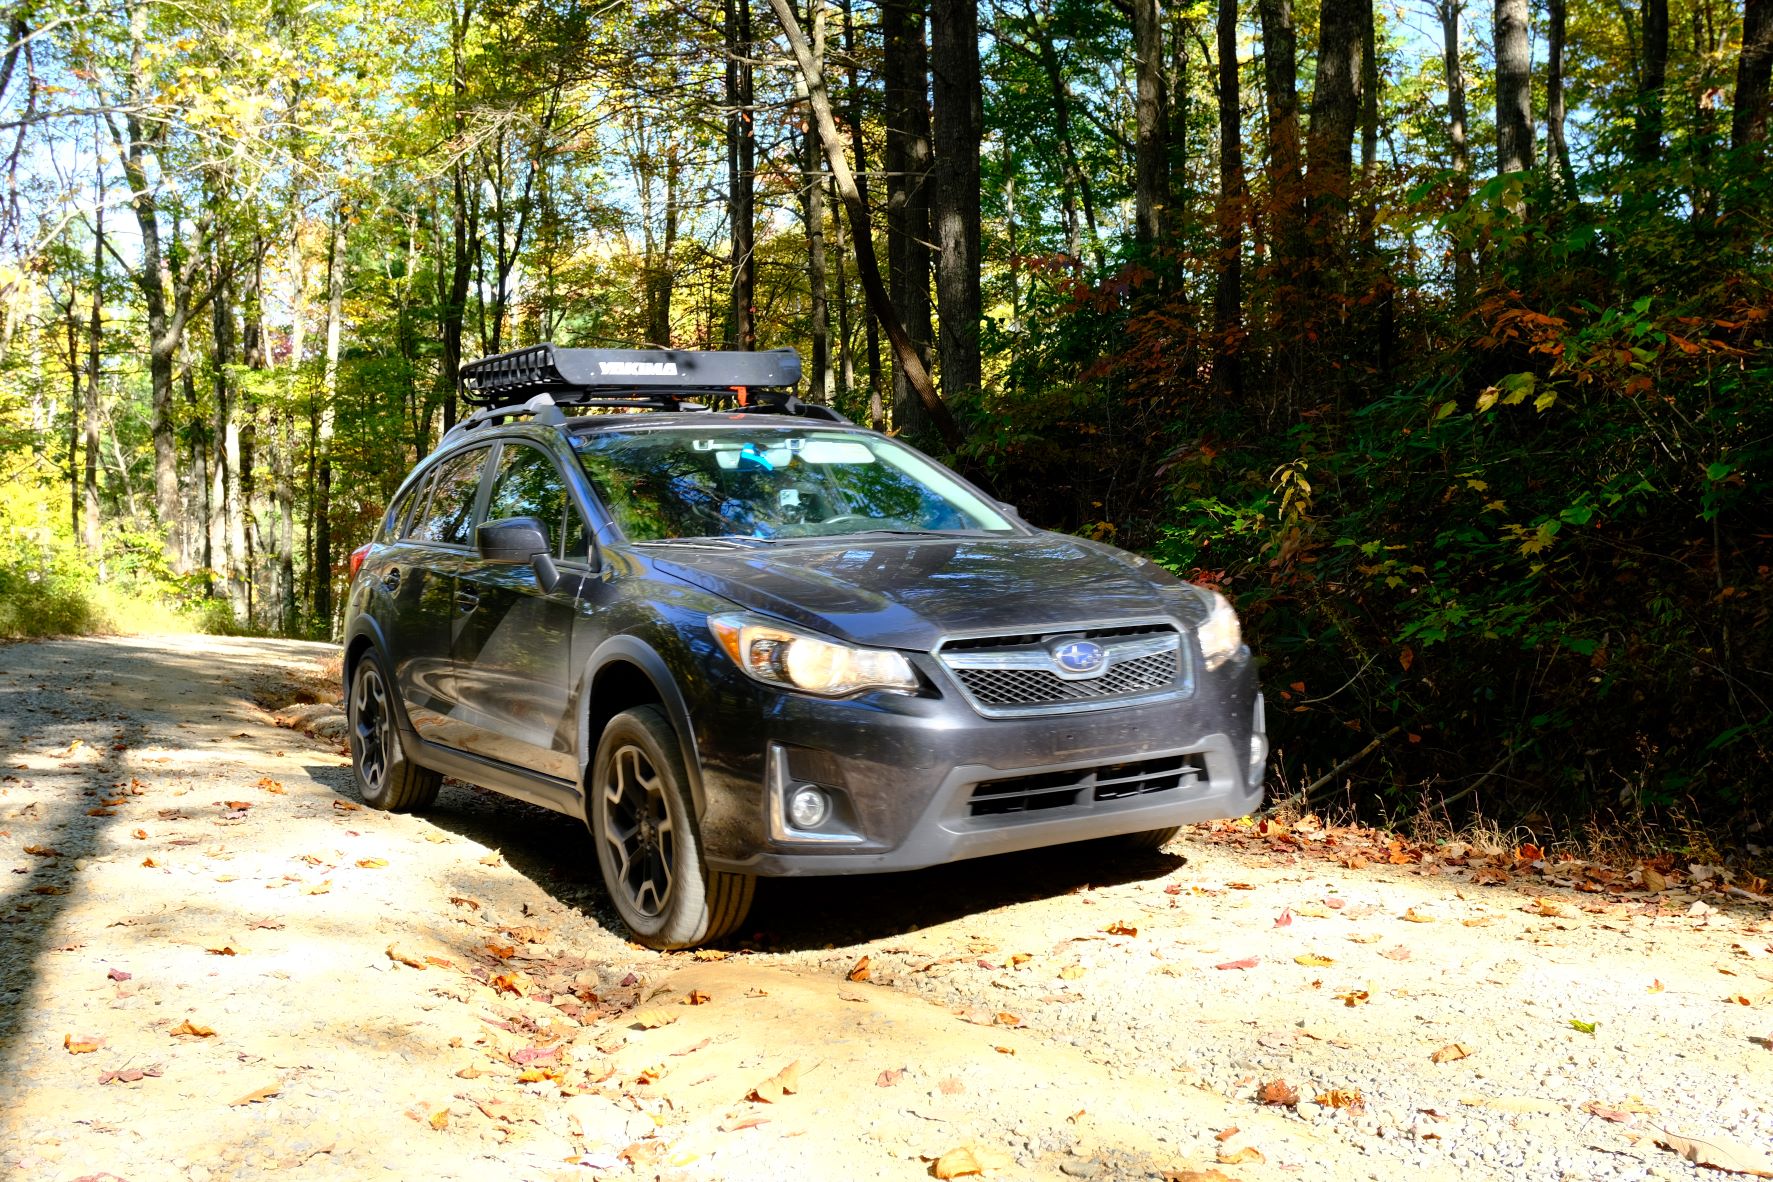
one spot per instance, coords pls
(843, 519)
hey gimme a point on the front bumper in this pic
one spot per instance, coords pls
(903, 771)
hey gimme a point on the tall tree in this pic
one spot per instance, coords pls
(329, 389)
(1647, 134)
(92, 537)
(863, 232)
(1335, 108)
(1748, 113)
(1151, 157)
(741, 176)
(1514, 107)
(1228, 298)
(1280, 75)
(1449, 12)
(812, 206)
(1564, 174)
(959, 126)
(905, 69)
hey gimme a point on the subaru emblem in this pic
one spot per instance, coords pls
(1079, 656)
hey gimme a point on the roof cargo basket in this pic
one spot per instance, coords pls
(642, 378)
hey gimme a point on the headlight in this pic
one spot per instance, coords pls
(796, 660)
(1220, 635)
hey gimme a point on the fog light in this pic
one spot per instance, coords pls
(808, 807)
(1258, 750)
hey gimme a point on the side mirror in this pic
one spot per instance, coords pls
(519, 539)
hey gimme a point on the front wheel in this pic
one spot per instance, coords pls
(386, 778)
(648, 848)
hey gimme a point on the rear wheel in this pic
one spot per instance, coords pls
(386, 778)
(648, 848)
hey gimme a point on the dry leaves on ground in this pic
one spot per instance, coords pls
(1718, 1154)
(968, 1160)
(785, 1082)
(1278, 1092)
(1451, 1052)
(190, 1029)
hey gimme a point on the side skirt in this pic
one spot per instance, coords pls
(561, 796)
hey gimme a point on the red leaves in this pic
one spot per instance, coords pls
(1248, 962)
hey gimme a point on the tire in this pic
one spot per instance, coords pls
(1149, 839)
(386, 778)
(648, 846)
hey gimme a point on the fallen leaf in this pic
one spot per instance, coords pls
(888, 1078)
(224, 950)
(1545, 907)
(500, 951)
(264, 1093)
(968, 1160)
(405, 958)
(1414, 916)
(1584, 1027)
(43, 851)
(270, 785)
(1717, 1154)
(1352, 998)
(1226, 1134)
(1004, 1018)
(267, 923)
(1312, 911)
(949, 1086)
(117, 975)
(47, 889)
(191, 1029)
(1279, 1093)
(439, 1119)
(1248, 962)
(1398, 953)
(1654, 881)
(372, 863)
(436, 838)
(1243, 1155)
(1071, 972)
(519, 984)
(1479, 921)
(710, 954)
(129, 1075)
(695, 997)
(1284, 919)
(319, 888)
(1452, 1052)
(785, 1082)
(345, 806)
(1619, 1116)
(495, 858)
(1350, 1098)
(734, 1124)
(1121, 927)
(1312, 960)
(647, 1019)
(1196, 1176)
(82, 1044)
(140, 835)
(859, 971)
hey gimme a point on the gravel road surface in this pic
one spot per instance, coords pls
(216, 964)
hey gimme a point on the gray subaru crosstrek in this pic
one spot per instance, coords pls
(737, 636)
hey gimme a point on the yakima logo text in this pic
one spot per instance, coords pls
(664, 369)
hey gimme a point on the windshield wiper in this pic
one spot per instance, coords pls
(739, 540)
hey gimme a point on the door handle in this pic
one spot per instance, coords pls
(391, 580)
(467, 601)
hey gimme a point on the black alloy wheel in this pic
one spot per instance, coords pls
(649, 849)
(386, 778)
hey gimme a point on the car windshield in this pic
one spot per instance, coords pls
(774, 482)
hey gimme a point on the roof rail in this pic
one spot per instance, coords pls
(648, 378)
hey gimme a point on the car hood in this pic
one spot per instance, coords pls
(911, 592)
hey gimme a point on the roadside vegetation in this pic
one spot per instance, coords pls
(1436, 335)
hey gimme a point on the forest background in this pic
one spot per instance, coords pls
(1437, 335)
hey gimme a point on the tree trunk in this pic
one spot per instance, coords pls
(329, 386)
(1369, 125)
(1647, 136)
(741, 178)
(876, 410)
(1228, 294)
(1449, 12)
(822, 383)
(1335, 107)
(465, 232)
(1280, 73)
(863, 233)
(846, 355)
(94, 353)
(1075, 180)
(1564, 175)
(231, 531)
(1748, 116)
(905, 68)
(1514, 110)
(1151, 157)
(959, 126)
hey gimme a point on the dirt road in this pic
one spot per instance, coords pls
(214, 963)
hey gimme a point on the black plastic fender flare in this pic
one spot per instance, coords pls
(636, 651)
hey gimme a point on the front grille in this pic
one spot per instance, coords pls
(1020, 674)
(1114, 781)
(1034, 687)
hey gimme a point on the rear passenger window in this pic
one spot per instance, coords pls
(450, 512)
(394, 526)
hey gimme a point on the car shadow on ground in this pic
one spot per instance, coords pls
(790, 914)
